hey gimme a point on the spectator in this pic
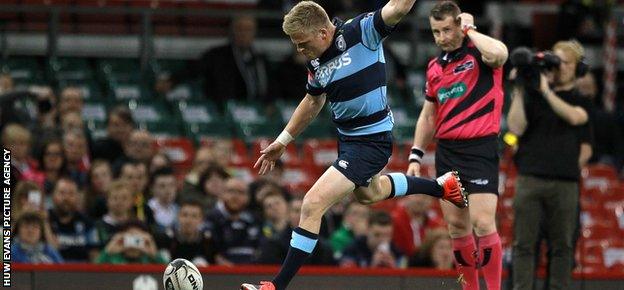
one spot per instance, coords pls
(375, 249)
(134, 174)
(259, 188)
(71, 100)
(234, 228)
(99, 178)
(203, 159)
(17, 139)
(275, 212)
(436, 251)
(75, 232)
(72, 121)
(288, 82)
(30, 199)
(277, 231)
(235, 70)
(212, 182)
(412, 219)
(28, 245)
(133, 244)
(190, 240)
(78, 163)
(119, 210)
(608, 145)
(159, 160)
(354, 225)
(119, 125)
(52, 163)
(547, 183)
(164, 191)
(140, 147)
(6, 83)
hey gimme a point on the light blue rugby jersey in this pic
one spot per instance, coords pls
(352, 74)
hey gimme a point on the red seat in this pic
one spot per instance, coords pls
(321, 153)
(239, 154)
(300, 178)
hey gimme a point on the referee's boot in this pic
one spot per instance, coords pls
(453, 190)
(264, 285)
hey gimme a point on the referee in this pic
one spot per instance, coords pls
(464, 95)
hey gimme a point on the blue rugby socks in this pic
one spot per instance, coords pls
(302, 244)
(405, 185)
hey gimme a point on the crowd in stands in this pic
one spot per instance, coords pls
(118, 200)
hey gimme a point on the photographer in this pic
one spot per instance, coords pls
(550, 117)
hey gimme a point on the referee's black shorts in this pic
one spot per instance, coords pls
(476, 160)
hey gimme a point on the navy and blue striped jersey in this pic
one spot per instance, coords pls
(352, 74)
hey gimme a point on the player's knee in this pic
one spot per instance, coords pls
(458, 227)
(484, 225)
(312, 206)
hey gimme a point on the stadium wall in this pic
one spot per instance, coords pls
(101, 277)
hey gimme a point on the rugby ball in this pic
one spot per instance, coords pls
(181, 274)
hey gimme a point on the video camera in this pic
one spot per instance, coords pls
(529, 65)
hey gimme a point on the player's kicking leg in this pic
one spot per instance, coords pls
(331, 187)
(447, 187)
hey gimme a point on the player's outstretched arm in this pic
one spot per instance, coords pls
(494, 52)
(394, 10)
(307, 110)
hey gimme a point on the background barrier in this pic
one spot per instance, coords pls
(121, 277)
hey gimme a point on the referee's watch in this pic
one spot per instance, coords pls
(467, 28)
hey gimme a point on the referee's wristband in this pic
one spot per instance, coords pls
(284, 138)
(416, 155)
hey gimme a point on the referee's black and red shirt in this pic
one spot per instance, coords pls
(467, 92)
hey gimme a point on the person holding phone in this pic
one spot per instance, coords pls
(463, 108)
(133, 244)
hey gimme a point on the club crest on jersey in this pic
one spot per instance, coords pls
(315, 62)
(464, 67)
(454, 91)
(341, 44)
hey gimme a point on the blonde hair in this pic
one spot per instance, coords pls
(13, 132)
(305, 17)
(572, 47)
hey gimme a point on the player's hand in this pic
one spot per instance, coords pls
(269, 155)
(465, 19)
(413, 169)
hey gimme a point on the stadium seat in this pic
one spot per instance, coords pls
(180, 150)
(22, 69)
(253, 131)
(148, 110)
(94, 110)
(320, 152)
(246, 112)
(598, 175)
(162, 129)
(197, 111)
(70, 69)
(216, 129)
(90, 88)
(300, 178)
(121, 70)
(97, 128)
(239, 155)
(403, 132)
